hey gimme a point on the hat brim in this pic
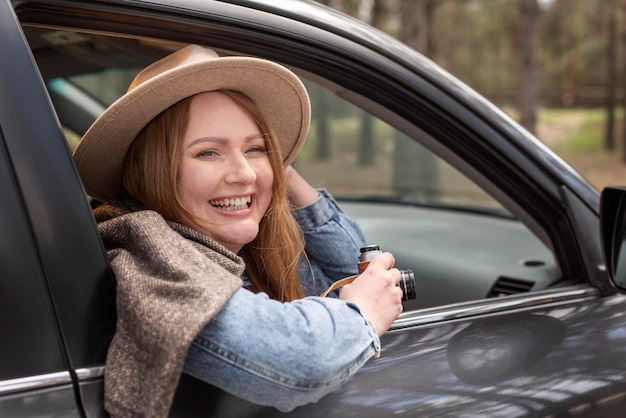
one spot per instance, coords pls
(278, 92)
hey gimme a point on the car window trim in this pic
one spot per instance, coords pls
(30, 383)
(89, 373)
(501, 304)
(48, 380)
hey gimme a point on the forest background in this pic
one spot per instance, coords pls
(556, 66)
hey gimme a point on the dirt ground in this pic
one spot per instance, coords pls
(601, 169)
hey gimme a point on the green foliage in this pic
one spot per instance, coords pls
(477, 40)
(476, 47)
(572, 131)
(590, 138)
(587, 137)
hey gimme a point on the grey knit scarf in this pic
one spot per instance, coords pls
(171, 281)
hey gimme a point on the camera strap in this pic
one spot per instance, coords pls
(338, 284)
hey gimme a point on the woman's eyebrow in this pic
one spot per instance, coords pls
(218, 140)
(223, 141)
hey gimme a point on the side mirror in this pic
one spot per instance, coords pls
(613, 229)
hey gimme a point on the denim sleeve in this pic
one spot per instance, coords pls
(281, 354)
(332, 242)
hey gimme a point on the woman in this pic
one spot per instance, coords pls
(191, 162)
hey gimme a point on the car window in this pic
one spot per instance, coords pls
(354, 154)
(350, 152)
(460, 241)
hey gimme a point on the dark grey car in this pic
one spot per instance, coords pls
(516, 313)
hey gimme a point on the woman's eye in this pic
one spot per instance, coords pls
(207, 153)
(257, 149)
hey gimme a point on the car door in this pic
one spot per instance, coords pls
(56, 299)
(34, 375)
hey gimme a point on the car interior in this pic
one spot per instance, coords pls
(461, 243)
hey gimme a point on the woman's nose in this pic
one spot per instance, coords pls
(240, 171)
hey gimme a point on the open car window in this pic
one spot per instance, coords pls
(461, 243)
(356, 155)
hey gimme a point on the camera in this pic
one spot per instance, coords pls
(407, 279)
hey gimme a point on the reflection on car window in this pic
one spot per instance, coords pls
(106, 86)
(355, 154)
(79, 99)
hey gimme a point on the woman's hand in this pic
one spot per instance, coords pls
(376, 292)
(299, 191)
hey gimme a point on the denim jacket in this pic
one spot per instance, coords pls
(332, 244)
(295, 352)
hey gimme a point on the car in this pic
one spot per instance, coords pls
(517, 258)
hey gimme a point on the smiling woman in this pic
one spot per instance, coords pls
(197, 198)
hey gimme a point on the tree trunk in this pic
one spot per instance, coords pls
(611, 76)
(415, 168)
(529, 68)
(320, 118)
(367, 148)
(414, 28)
(323, 150)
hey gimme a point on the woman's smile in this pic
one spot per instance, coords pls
(233, 203)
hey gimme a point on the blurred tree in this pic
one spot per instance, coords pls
(495, 49)
(414, 169)
(321, 112)
(320, 117)
(367, 147)
(611, 77)
(529, 70)
(469, 42)
(367, 150)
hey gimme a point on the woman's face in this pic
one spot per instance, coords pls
(225, 177)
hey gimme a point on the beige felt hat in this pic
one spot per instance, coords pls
(278, 92)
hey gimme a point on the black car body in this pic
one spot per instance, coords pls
(516, 312)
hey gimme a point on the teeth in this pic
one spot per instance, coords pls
(232, 204)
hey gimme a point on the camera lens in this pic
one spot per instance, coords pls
(407, 284)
